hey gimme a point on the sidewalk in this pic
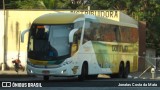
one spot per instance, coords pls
(146, 75)
(12, 73)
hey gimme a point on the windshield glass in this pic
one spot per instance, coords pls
(49, 42)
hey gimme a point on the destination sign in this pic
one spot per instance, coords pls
(110, 14)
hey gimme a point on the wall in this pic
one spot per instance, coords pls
(1, 37)
(142, 46)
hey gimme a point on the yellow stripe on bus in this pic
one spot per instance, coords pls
(37, 62)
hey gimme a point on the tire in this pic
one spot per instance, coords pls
(84, 72)
(126, 71)
(120, 73)
(45, 78)
(121, 70)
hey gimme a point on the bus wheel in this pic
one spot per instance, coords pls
(45, 78)
(121, 70)
(84, 72)
(127, 70)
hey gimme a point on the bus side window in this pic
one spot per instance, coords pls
(109, 35)
(117, 34)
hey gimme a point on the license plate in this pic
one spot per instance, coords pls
(45, 72)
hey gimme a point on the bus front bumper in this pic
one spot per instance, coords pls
(58, 71)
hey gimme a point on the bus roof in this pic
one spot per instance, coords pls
(65, 18)
(57, 18)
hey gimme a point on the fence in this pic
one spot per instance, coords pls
(154, 62)
(158, 64)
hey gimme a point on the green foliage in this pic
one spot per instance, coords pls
(24, 4)
(50, 4)
(31, 4)
(12, 4)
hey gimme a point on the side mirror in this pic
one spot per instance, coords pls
(22, 35)
(71, 34)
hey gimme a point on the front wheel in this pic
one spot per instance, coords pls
(84, 72)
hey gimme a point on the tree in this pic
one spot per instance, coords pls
(1, 5)
(24, 4)
(150, 13)
(38, 4)
(31, 4)
(50, 4)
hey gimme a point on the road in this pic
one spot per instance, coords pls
(62, 83)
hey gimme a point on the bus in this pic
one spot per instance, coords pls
(69, 44)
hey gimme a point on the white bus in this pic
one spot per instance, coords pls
(68, 44)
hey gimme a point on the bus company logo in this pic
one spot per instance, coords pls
(6, 84)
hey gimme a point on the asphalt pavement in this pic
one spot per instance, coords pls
(135, 75)
(72, 84)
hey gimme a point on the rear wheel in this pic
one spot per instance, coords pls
(121, 70)
(120, 73)
(45, 78)
(84, 72)
(127, 70)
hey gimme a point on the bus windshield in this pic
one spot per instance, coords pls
(49, 42)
